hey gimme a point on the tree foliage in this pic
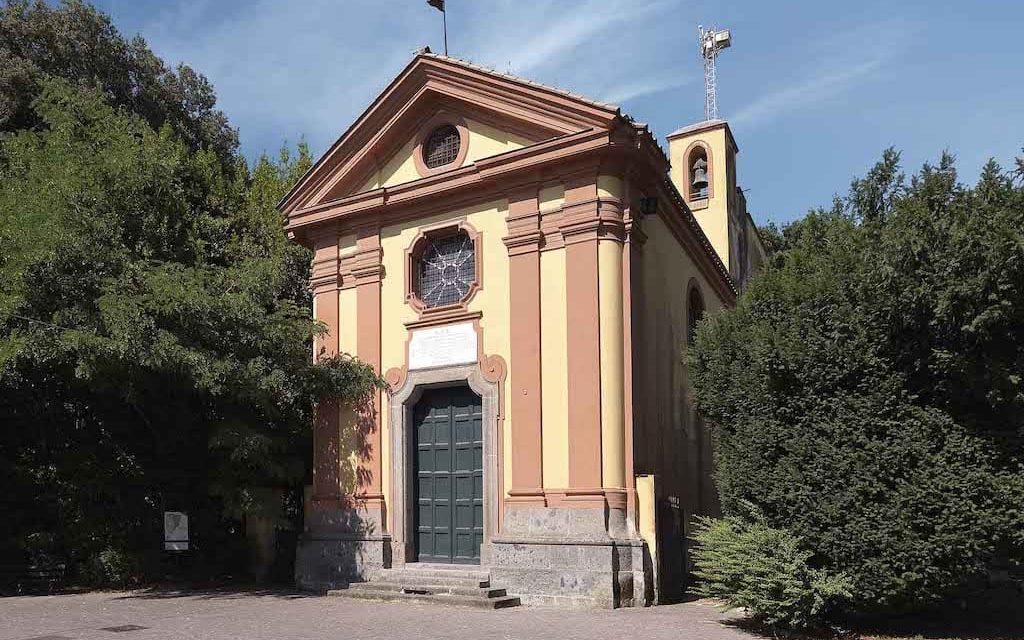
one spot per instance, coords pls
(867, 388)
(155, 325)
(79, 44)
(747, 564)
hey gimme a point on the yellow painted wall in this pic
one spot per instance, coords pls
(401, 167)
(609, 186)
(666, 438)
(484, 141)
(491, 299)
(646, 506)
(610, 292)
(551, 198)
(554, 370)
(609, 256)
(347, 344)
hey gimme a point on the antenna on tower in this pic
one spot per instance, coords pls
(711, 42)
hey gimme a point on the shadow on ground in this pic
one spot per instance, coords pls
(215, 593)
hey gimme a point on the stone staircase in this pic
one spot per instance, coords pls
(437, 583)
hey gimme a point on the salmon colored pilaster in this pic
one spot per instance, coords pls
(523, 244)
(367, 272)
(580, 233)
(324, 282)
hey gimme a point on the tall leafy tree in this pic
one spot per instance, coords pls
(79, 44)
(867, 388)
(155, 325)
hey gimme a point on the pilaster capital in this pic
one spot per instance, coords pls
(367, 267)
(593, 219)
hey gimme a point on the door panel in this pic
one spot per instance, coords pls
(448, 425)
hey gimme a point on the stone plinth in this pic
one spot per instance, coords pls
(341, 545)
(565, 557)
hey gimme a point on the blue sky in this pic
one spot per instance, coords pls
(814, 90)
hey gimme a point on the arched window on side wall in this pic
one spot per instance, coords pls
(694, 313)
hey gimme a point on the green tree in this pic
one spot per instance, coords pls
(79, 44)
(866, 389)
(155, 325)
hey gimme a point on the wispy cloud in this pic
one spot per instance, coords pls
(828, 83)
(633, 89)
(281, 72)
(846, 60)
(552, 32)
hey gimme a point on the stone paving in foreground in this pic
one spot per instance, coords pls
(258, 615)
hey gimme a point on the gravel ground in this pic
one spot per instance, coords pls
(173, 615)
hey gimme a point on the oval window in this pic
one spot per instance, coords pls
(442, 147)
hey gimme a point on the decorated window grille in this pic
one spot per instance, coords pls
(446, 270)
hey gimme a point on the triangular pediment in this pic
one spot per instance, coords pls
(495, 113)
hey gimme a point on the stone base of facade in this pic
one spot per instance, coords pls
(566, 557)
(341, 545)
(323, 563)
(592, 574)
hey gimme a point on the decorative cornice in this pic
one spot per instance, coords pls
(448, 316)
(428, 78)
(528, 241)
(483, 173)
(592, 219)
(366, 265)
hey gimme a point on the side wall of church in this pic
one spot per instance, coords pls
(669, 441)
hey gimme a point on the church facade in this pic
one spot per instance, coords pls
(524, 267)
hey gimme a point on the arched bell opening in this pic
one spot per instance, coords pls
(698, 179)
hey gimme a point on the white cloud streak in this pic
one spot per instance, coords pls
(282, 70)
(828, 83)
(847, 60)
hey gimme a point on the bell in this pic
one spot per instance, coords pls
(700, 175)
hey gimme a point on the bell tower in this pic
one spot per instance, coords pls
(703, 158)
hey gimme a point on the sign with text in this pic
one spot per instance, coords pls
(175, 531)
(442, 346)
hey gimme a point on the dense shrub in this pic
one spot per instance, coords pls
(112, 568)
(751, 565)
(867, 387)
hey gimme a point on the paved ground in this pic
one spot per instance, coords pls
(282, 616)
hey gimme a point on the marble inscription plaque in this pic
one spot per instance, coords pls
(442, 346)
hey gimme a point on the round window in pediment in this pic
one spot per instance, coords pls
(441, 147)
(446, 269)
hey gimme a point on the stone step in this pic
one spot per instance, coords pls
(450, 570)
(436, 578)
(479, 602)
(428, 589)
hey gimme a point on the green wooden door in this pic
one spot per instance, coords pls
(449, 474)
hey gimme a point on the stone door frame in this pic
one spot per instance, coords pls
(400, 409)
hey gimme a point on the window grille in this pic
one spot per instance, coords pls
(442, 147)
(446, 270)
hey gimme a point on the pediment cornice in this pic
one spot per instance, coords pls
(428, 85)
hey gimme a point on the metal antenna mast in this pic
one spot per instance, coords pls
(711, 42)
